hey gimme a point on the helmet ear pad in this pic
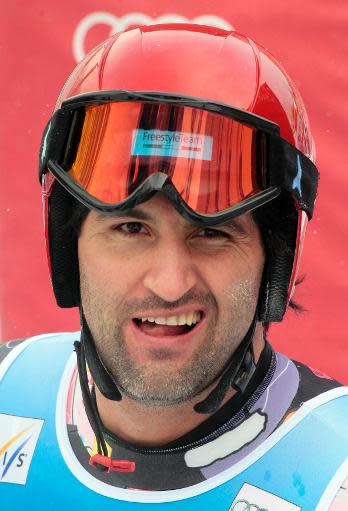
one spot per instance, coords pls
(277, 221)
(63, 247)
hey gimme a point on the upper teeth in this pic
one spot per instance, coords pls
(191, 318)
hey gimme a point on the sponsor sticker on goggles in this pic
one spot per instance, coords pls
(172, 144)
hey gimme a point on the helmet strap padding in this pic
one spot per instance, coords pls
(63, 248)
(277, 221)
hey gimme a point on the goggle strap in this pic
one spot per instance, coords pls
(301, 176)
(54, 138)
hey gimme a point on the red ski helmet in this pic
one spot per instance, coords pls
(197, 68)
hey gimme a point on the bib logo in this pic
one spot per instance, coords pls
(118, 24)
(251, 498)
(18, 438)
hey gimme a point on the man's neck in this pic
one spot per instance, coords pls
(155, 426)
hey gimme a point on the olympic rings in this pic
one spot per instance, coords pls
(244, 505)
(120, 23)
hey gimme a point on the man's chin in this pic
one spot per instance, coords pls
(160, 394)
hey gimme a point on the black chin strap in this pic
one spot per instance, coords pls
(86, 353)
(102, 461)
(88, 401)
(237, 374)
(102, 378)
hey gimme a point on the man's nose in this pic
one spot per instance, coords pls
(172, 272)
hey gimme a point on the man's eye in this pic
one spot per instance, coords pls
(212, 233)
(131, 227)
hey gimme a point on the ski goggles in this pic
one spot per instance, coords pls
(114, 150)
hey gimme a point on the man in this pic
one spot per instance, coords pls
(177, 180)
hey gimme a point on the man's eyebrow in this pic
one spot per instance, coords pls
(236, 224)
(134, 213)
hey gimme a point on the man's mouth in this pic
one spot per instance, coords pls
(169, 325)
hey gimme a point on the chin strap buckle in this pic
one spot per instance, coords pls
(106, 464)
(248, 368)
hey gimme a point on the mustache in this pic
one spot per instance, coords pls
(155, 302)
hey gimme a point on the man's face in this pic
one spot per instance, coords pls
(167, 302)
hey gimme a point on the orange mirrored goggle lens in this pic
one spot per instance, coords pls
(214, 161)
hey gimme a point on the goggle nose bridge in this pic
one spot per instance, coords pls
(160, 182)
(157, 182)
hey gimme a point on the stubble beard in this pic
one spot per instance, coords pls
(161, 382)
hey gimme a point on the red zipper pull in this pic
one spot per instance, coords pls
(111, 465)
